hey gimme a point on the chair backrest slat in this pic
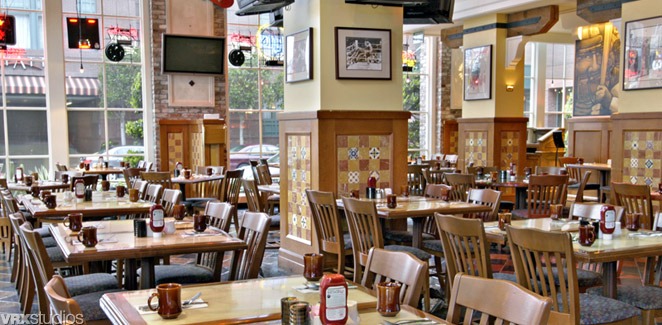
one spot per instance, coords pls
(253, 230)
(365, 231)
(169, 199)
(545, 190)
(461, 184)
(220, 214)
(327, 224)
(415, 179)
(635, 199)
(488, 197)
(253, 197)
(231, 186)
(161, 178)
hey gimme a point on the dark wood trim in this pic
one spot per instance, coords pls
(357, 115)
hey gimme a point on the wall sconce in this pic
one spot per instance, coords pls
(510, 88)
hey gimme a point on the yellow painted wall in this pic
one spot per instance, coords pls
(325, 92)
(647, 100)
(501, 103)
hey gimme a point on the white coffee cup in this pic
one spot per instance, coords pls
(169, 227)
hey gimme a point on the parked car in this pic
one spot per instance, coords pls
(274, 168)
(242, 157)
(114, 160)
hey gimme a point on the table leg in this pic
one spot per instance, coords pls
(147, 273)
(182, 187)
(417, 236)
(609, 277)
(104, 177)
(234, 263)
(130, 274)
(520, 198)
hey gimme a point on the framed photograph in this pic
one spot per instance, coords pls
(478, 73)
(642, 65)
(363, 53)
(299, 56)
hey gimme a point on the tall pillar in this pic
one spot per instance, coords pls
(337, 131)
(492, 132)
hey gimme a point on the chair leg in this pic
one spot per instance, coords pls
(440, 273)
(120, 272)
(426, 288)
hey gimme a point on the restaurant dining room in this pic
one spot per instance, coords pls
(331, 162)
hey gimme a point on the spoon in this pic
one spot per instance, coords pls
(190, 301)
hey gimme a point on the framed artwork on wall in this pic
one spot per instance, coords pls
(478, 73)
(363, 53)
(643, 54)
(299, 56)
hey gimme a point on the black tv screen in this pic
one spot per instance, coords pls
(192, 54)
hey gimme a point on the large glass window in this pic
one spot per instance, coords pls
(255, 88)
(104, 97)
(23, 116)
(416, 92)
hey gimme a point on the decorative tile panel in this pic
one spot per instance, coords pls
(453, 143)
(362, 156)
(509, 148)
(475, 147)
(299, 223)
(642, 157)
(175, 149)
(197, 150)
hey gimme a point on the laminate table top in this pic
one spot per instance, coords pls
(42, 185)
(102, 204)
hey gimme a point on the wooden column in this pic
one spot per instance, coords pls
(450, 139)
(323, 150)
(492, 142)
(637, 148)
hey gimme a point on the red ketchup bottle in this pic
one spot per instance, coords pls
(79, 188)
(156, 221)
(607, 221)
(333, 292)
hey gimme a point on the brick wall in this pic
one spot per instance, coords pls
(160, 82)
(443, 92)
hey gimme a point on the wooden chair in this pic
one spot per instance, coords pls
(538, 255)
(42, 271)
(332, 241)
(153, 193)
(486, 170)
(415, 179)
(550, 170)
(264, 176)
(366, 233)
(169, 199)
(451, 159)
(215, 170)
(635, 199)
(230, 188)
(72, 174)
(61, 302)
(429, 228)
(466, 248)
(543, 191)
(141, 164)
(434, 176)
(89, 180)
(220, 215)
(60, 167)
(576, 179)
(141, 186)
(271, 201)
(162, 178)
(400, 267)
(487, 197)
(579, 196)
(148, 165)
(515, 304)
(253, 198)
(23, 278)
(253, 230)
(461, 184)
(131, 175)
(6, 235)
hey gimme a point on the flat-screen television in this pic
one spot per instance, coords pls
(254, 7)
(192, 54)
(433, 12)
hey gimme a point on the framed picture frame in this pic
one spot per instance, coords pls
(478, 73)
(299, 56)
(363, 53)
(642, 62)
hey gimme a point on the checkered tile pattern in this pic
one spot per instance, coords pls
(197, 151)
(299, 223)
(362, 156)
(453, 143)
(642, 157)
(509, 148)
(175, 149)
(475, 147)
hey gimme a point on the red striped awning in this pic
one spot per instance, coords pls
(36, 85)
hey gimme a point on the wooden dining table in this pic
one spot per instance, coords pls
(117, 241)
(102, 172)
(627, 245)
(418, 207)
(520, 183)
(103, 204)
(240, 302)
(195, 178)
(603, 169)
(42, 185)
(271, 189)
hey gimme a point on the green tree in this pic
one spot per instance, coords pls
(411, 97)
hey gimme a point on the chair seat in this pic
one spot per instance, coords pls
(585, 279)
(197, 202)
(403, 236)
(55, 254)
(646, 298)
(274, 198)
(88, 283)
(275, 221)
(347, 238)
(419, 253)
(433, 245)
(89, 305)
(184, 274)
(596, 309)
(49, 242)
(589, 186)
(43, 232)
(510, 277)
(506, 205)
